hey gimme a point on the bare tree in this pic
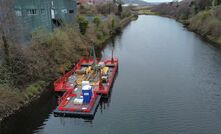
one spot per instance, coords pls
(11, 64)
(203, 4)
(7, 26)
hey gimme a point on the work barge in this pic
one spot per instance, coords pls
(84, 86)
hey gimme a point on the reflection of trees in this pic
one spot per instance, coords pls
(31, 118)
(105, 101)
(113, 42)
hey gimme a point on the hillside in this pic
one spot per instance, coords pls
(201, 16)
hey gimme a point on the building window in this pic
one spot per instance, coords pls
(31, 11)
(18, 13)
(71, 11)
(64, 11)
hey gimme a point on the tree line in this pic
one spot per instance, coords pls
(186, 8)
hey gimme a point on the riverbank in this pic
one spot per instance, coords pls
(144, 10)
(51, 50)
(206, 22)
(187, 24)
(13, 100)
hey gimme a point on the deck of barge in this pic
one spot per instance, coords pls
(79, 113)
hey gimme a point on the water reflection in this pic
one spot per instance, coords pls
(31, 117)
(105, 101)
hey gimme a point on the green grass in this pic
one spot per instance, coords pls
(146, 12)
(34, 89)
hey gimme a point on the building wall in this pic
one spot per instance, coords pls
(65, 9)
(34, 14)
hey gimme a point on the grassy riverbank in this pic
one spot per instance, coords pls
(207, 24)
(144, 10)
(12, 100)
(26, 72)
(202, 17)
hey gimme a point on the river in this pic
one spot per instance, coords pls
(169, 82)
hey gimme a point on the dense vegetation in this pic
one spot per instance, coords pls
(25, 71)
(105, 9)
(202, 16)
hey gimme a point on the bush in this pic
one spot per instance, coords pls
(10, 99)
(213, 27)
(107, 8)
(14, 72)
(83, 24)
(46, 59)
(125, 13)
(197, 20)
(97, 21)
(208, 24)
